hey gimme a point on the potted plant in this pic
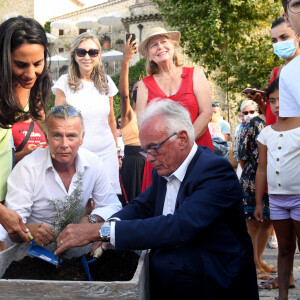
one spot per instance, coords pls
(67, 47)
(119, 43)
(105, 42)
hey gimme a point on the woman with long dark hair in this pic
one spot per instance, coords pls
(24, 88)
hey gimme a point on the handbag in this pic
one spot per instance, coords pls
(26, 138)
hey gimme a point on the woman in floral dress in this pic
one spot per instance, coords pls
(249, 153)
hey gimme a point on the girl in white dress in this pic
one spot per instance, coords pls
(87, 87)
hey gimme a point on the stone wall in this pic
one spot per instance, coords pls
(9, 8)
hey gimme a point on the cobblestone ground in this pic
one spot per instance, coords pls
(270, 256)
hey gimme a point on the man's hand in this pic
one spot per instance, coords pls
(43, 233)
(13, 223)
(98, 248)
(76, 235)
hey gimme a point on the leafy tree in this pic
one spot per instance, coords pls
(231, 38)
(47, 26)
(136, 73)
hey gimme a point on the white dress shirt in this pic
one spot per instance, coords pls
(34, 180)
(173, 184)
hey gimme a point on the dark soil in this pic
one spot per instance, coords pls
(111, 266)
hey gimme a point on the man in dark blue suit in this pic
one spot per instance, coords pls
(191, 217)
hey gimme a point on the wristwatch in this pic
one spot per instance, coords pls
(105, 231)
(93, 219)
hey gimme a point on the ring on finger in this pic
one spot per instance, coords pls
(61, 242)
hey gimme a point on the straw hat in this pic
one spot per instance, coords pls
(173, 35)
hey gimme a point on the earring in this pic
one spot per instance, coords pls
(174, 59)
(151, 67)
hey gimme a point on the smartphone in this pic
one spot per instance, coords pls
(253, 91)
(41, 144)
(132, 36)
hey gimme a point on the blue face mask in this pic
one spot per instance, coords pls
(285, 49)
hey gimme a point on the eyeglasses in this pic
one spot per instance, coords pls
(58, 110)
(294, 6)
(82, 52)
(245, 113)
(215, 104)
(154, 150)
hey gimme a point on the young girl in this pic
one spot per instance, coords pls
(279, 165)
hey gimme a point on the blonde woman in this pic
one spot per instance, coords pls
(87, 87)
(169, 79)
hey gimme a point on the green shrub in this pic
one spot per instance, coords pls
(136, 73)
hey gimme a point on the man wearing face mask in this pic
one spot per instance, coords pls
(289, 91)
(286, 46)
(132, 162)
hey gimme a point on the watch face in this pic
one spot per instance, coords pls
(105, 231)
(93, 219)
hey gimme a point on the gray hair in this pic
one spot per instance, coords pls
(249, 102)
(176, 117)
(64, 111)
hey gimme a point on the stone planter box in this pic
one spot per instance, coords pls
(136, 288)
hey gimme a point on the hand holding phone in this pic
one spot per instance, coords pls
(253, 91)
(130, 47)
(40, 145)
(132, 37)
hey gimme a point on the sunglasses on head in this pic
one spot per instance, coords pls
(82, 52)
(58, 110)
(215, 104)
(245, 113)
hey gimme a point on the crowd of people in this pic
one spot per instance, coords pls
(206, 224)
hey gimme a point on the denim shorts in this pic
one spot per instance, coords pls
(284, 207)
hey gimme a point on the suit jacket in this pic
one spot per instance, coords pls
(208, 216)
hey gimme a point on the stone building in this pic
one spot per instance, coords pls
(10, 9)
(135, 16)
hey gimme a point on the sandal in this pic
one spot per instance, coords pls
(274, 284)
(273, 244)
(268, 285)
(268, 268)
(262, 275)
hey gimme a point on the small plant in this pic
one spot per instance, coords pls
(67, 47)
(68, 210)
(47, 26)
(119, 42)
